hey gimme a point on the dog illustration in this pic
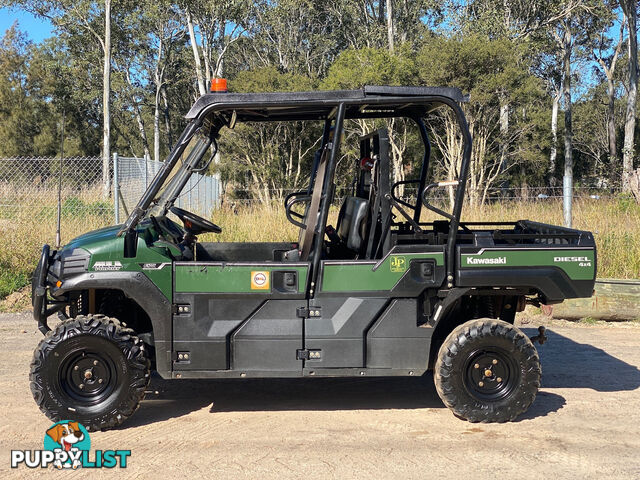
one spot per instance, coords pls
(66, 435)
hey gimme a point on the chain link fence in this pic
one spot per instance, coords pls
(200, 195)
(29, 193)
(439, 195)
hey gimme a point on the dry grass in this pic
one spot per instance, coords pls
(615, 223)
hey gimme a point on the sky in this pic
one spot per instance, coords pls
(37, 29)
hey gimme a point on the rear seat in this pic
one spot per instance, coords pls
(350, 228)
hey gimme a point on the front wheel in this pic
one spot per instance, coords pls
(91, 369)
(487, 371)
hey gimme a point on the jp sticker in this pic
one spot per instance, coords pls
(398, 264)
(260, 280)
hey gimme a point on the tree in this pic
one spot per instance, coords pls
(482, 68)
(18, 111)
(630, 10)
(93, 18)
(606, 53)
(378, 66)
(219, 25)
(267, 159)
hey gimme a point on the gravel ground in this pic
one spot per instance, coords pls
(583, 424)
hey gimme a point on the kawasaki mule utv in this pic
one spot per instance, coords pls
(381, 294)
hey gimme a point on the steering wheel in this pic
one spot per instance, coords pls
(194, 224)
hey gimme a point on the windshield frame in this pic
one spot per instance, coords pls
(176, 183)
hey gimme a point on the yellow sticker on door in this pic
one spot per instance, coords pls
(260, 280)
(398, 264)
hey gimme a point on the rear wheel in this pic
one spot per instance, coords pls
(90, 369)
(487, 371)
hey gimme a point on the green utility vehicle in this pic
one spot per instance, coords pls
(381, 293)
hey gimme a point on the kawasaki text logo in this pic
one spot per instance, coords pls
(487, 261)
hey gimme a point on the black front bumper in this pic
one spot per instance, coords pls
(39, 291)
(41, 310)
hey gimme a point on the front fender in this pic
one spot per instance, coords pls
(138, 287)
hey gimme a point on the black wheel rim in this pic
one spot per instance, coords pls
(491, 374)
(87, 376)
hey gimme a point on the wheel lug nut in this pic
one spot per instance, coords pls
(76, 367)
(481, 384)
(99, 380)
(494, 361)
(81, 386)
(477, 365)
(95, 362)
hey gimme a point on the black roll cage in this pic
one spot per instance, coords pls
(332, 107)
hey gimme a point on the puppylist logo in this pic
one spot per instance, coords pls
(67, 445)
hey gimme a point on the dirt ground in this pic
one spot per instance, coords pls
(583, 424)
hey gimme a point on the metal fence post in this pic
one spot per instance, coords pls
(116, 188)
(206, 196)
(146, 174)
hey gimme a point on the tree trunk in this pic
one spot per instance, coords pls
(196, 54)
(554, 138)
(106, 102)
(167, 118)
(390, 24)
(630, 10)
(568, 132)
(158, 78)
(156, 126)
(611, 121)
(137, 113)
(609, 71)
(140, 122)
(504, 132)
(221, 51)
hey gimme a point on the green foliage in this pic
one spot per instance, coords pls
(628, 204)
(589, 321)
(375, 66)
(501, 53)
(74, 206)
(269, 79)
(11, 280)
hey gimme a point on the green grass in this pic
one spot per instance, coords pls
(589, 321)
(11, 279)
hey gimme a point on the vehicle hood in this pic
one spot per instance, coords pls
(94, 237)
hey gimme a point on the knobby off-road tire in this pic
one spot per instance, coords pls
(487, 371)
(91, 369)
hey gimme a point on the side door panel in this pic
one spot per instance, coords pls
(358, 322)
(244, 313)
